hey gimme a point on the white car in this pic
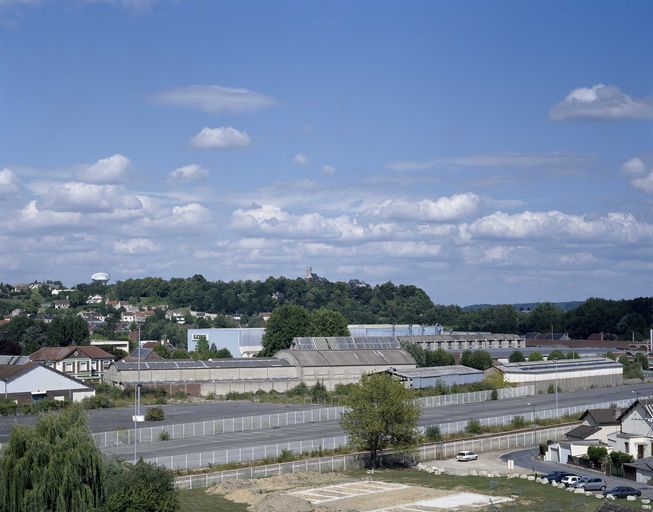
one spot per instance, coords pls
(570, 480)
(466, 456)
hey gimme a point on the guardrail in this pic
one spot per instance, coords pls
(357, 460)
(277, 420)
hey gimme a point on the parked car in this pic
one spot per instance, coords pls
(556, 476)
(466, 456)
(591, 484)
(570, 480)
(622, 492)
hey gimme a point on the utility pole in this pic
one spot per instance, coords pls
(137, 391)
(556, 362)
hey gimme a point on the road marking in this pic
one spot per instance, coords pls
(346, 490)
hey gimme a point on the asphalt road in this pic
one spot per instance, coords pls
(527, 460)
(104, 420)
(436, 415)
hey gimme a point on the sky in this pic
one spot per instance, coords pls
(488, 152)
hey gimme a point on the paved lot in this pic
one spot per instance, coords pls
(526, 459)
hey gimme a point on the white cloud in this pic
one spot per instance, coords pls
(492, 160)
(188, 173)
(611, 228)
(644, 183)
(301, 160)
(600, 102)
(444, 209)
(9, 183)
(31, 217)
(215, 99)
(105, 171)
(221, 138)
(87, 197)
(328, 170)
(633, 167)
(135, 246)
(272, 221)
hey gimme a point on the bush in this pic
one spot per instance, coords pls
(180, 395)
(618, 458)
(155, 414)
(319, 392)
(8, 407)
(494, 395)
(299, 390)
(286, 455)
(597, 454)
(164, 435)
(210, 396)
(516, 357)
(473, 427)
(97, 402)
(551, 389)
(518, 422)
(433, 434)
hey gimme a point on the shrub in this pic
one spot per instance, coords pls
(597, 454)
(210, 396)
(618, 458)
(180, 395)
(543, 449)
(8, 407)
(319, 392)
(164, 435)
(97, 402)
(299, 390)
(518, 422)
(473, 427)
(433, 434)
(286, 455)
(155, 414)
(494, 395)
(551, 389)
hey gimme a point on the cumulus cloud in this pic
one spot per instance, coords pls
(328, 170)
(601, 102)
(215, 99)
(611, 228)
(221, 138)
(272, 221)
(135, 246)
(32, 217)
(633, 167)
(188, 173)
(301, 160)
(492, 160)
(444, 209)
(87, 197)
(644, 183)
(105, 171)
(9, 182)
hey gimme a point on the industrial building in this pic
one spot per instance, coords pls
(331, 361)
(566, 374)
(431, 377)
(247, 341)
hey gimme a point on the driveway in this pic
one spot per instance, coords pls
(528, 459)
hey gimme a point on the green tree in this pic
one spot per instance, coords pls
(381, 414)
(516, 357)
(285, 323)
(479, 359)
(53, 466)
(325, 322)
(140, 487)
(556, 355)
(67, 330)
(535, 356)
(597, 454)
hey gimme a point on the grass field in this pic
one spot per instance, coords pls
(532, 497)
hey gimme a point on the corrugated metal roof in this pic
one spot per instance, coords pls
(308, 358)
(460, 337)
(345, 343)
(189, 364)
(436, 371)
(562, 365)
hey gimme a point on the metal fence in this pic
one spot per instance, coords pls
(277, 420)
(247, 454)
(357, 460)
(532, 415)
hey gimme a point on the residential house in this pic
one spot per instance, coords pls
(61, 304)
(17, 312)
(636, 433)
(95, 299)
(92, 317)
(20, 288)
(127, 317)
(81, 362)
(176, 316)
(31, 382)
(265, 316)
(141, 316)
(597, 425)
(145, 354)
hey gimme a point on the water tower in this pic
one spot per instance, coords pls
(100, 278)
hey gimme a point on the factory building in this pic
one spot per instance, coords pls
(331, 361)
(30, 382)
(567, 374)
(431, 377)
(459, 342)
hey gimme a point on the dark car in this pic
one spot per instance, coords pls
(622, 492)
(556, 476)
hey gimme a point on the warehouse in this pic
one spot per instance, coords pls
(566, 374)
(342, 360)
(431, 377)
(331, 361)
(220, 376)
(467, 341)
(31, 382)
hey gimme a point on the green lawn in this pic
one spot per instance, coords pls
(533, 497)
(198, 500)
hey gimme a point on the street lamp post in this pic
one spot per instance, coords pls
(137, 391)
(556, 363)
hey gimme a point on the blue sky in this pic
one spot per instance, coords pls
(485, 151)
